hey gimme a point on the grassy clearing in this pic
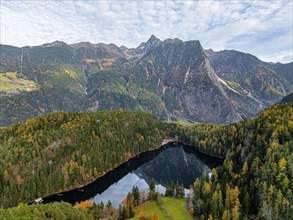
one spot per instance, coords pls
(184, 123)
(175, 208)
(12, 83)
(149, 208)
(170, 208)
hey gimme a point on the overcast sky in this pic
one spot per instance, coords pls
(262, 28)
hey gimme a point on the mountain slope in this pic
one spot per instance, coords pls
(171, 78)
(254, 181)
(178, 74)
(74, 148)
(59, 84)
(60, 151)
(264, 83)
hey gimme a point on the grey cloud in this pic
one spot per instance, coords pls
(218, 25)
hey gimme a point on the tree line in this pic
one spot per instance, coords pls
(60, 151)
(254, 181)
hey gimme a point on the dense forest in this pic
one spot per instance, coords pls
(56, 210)
(60, 151)
(255, 180)
(63, 210)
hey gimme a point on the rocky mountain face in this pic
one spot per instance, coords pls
(265, 83)
(173, 79)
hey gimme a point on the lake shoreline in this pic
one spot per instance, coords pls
(116, 173)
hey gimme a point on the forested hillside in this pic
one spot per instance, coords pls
(255, 179)
(60, 151)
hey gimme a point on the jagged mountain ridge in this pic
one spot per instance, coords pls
(171, 78)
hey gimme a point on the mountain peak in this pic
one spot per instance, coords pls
(55, 44)
(153, 38)
(152, 41)
(145, 46)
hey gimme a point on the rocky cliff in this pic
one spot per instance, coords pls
(173, 79)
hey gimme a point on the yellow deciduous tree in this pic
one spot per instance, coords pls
(141, 214)
(210, 217)
(235, 213)
(226, 215)
(282, 164)
(155, 216)
(19, 180)
(5, 176)
(234, 193)
(206, 188)
(215, 174)
(244, 168)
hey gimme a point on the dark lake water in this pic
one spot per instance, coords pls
(173, 162)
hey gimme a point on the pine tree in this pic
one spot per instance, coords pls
(152, 189)
(169, 192)
(226, 215)
(235, 213)
(152, 185)
(125, 214)
(246, 204)
(221, 204)
(136, 195)
(215, 205)
(244, 168)
(130, 211)
(282, 164)
(215, 174)
(177, 189)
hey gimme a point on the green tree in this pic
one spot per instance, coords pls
(215, 210)
(235, 213)
(152, 185)
(152, 189)
(226, 215)
(136, 195)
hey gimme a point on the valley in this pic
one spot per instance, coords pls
(146, 110)
(250, 148)
(76, 128)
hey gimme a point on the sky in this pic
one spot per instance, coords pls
(262, 28)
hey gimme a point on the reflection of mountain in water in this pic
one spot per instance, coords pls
(173, 164)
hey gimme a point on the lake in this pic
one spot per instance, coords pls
(172, 162)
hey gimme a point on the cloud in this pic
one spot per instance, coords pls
(263, 28)
(286, 58)
(118, 191)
